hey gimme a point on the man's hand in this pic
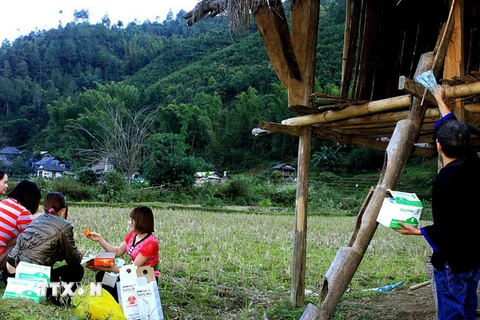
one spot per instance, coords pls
(408, 230)
(439, 95)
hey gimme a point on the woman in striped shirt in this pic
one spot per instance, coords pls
(16, 213)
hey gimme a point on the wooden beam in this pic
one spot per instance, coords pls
(473, 107)
(327, 134)
(453, 64)
(351, 40)
(462, 90)
(377, 131)
(332, 135)
(373, 126)
(346, 37)
(279, 128)
(304, 30)
(273, 27)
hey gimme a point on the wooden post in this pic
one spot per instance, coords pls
(292, 55)
(453, 65)
(297, 292)
(304, 31)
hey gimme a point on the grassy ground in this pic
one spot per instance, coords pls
(237, 266)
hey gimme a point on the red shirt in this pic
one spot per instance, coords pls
(14, 218)
(148, 247)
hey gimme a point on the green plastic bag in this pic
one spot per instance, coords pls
(86, 306)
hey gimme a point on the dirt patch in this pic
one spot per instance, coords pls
(401, 303)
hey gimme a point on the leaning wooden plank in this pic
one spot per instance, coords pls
(304, 29)
(453, 64)
(273, 27)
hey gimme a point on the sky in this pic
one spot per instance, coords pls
(20, 17)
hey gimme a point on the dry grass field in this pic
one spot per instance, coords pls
(237, 266)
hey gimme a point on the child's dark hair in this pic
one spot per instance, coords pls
(2, 174)
(143, 217)
(27, 193)
(54, 202)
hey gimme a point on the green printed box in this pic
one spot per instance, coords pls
(401, 206)
(28, 289)
(30, 271)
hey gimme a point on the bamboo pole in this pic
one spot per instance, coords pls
(350, 112)
(377, 106)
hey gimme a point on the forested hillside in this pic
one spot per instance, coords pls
(202, 88)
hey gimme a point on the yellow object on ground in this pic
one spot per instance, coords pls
(89, 306)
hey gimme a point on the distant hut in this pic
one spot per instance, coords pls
(7, 154)
(287, 171)
(207, 177)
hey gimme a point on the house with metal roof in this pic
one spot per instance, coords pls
(49, 167)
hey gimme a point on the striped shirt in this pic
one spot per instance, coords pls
(14, 218)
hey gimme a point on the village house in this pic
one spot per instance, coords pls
(49, 167)
(207, 177)
(101, 167)
(7, 154)
(287, 171)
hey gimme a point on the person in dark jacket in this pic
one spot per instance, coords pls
(49, 239)
(453, 235)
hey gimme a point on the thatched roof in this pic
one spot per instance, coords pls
(238, 11)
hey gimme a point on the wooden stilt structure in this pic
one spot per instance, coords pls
(378, 117)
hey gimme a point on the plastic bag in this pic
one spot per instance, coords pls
(86, 306)
(427, 79)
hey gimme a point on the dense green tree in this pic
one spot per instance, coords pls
(169, 163)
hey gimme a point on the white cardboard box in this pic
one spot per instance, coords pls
(30, 271)
(20, 288)
(401, 206)
(28, 282)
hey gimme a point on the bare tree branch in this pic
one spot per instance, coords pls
(121, 138)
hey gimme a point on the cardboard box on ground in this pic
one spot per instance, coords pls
(28, 282)
(138, 293)
(102, 259)
(401, 206)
